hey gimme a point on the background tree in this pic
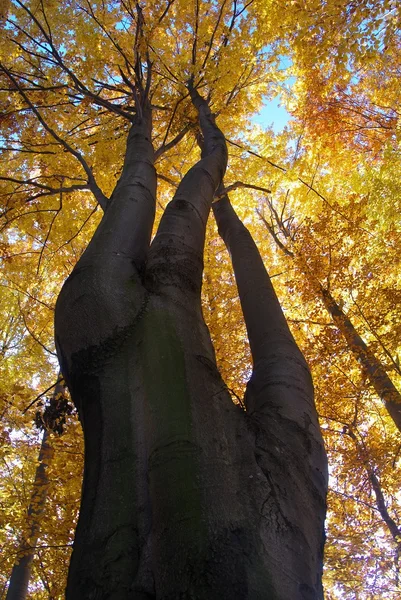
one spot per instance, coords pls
(53, 419)
(372, 368)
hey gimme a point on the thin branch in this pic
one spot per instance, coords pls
(166, 147)
(284, 170)
(57, 212)
(240, 184)
(194, 48)
(371, 506)
(310, 322)
(210, 44)
(43, 186)
(117, 46)
(167, 179)
(27, 294)
(97, 192)
(78, 83)
(164, 13)
(37, 340)
(172, 117)
(29, 212)
(39, 396)
(79, 230)
(24, 150)
(274, 235)
(310, 187)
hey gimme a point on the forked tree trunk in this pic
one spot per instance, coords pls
(184, 495)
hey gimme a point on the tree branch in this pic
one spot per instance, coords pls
(39, 396)
(59, 61)
(240, 184)
(166, 147)
(97, 192)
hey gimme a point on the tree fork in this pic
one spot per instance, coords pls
(200, 529)
(183, 224)
(177, 502)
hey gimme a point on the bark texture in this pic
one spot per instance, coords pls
(280, 408)
(184, 496)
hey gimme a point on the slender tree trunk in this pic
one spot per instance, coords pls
(176, 501)
(279, 401)
(381, 505)
(370, 364)
(21, 573)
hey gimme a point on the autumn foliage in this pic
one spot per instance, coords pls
(321, 198)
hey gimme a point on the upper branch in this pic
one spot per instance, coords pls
(165, 147)
(79, 85)
(266, 324)
(183, 225)
(213, 138)
(97, 192)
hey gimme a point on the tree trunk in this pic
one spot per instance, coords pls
(21, 573)
(279, 401)
(371, 365)
(177, 502)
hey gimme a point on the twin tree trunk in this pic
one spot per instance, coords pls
(184, 494)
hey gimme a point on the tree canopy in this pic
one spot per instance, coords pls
(321, 199)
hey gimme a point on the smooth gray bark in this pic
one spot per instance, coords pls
(279, 400)
(179, 499)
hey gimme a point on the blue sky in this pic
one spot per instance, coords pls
(272, 114)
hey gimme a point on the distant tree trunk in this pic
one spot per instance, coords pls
(21, 573)
(370, 364)
(184, 495)
(53, 419)
(381, 505)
